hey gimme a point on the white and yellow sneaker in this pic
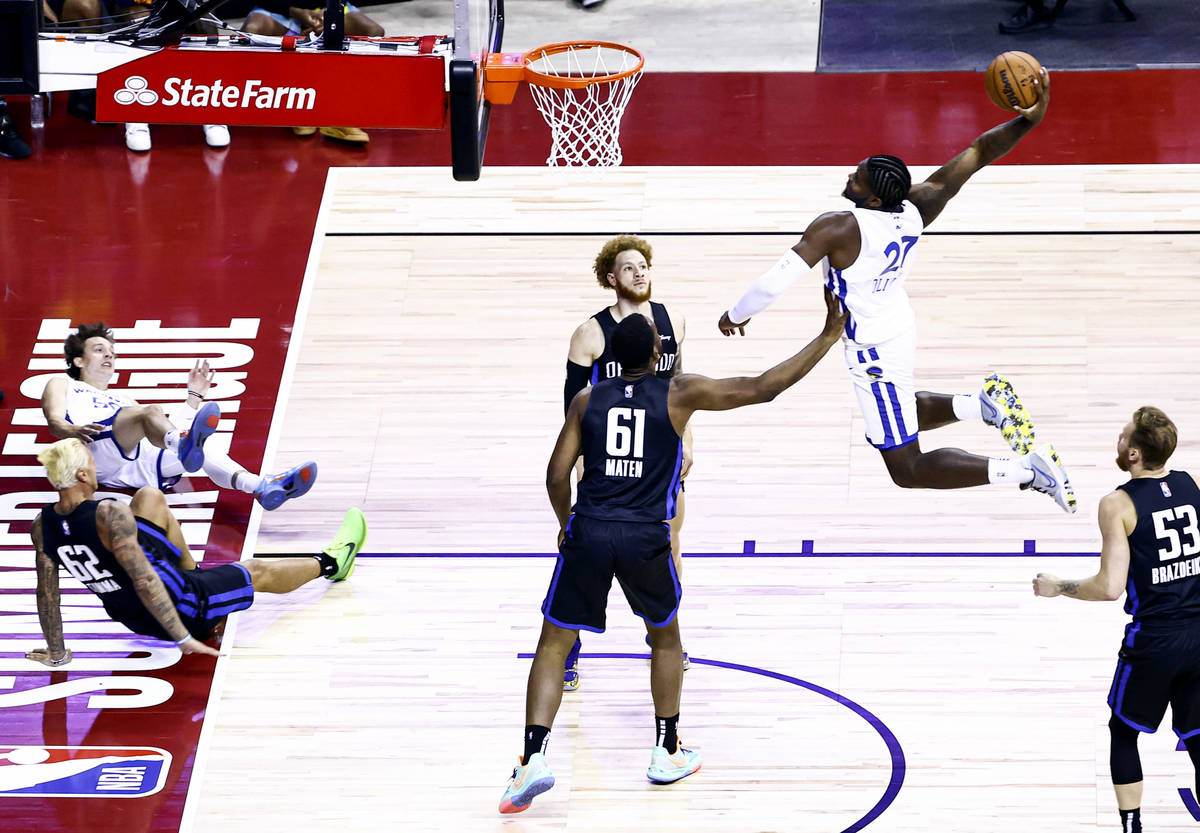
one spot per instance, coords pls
(1001, 407)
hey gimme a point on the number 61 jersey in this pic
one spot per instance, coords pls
(872, 288)
(72, 541)
(1164, 548)
(631, 452)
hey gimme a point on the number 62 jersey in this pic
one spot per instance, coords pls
(1164, 548)
(631, 453)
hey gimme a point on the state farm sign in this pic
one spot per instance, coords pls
(251, 87)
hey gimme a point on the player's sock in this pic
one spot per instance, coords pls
(667, 729)
(1008, 470)
(171, 440)
(536, 740)
(573, 656)
(225, 472)
(966, 406)
(328, 565)
(1131, 820)
(246, 482)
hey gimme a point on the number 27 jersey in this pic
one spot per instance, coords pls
(872, 288)
(631, 453)
(1164, 548)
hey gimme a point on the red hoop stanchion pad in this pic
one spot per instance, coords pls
(230, 86)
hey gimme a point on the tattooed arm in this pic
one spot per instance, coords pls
(118, 532)
(49, 614)
(1117, 519)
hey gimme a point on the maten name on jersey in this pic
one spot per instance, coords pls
(614, 467)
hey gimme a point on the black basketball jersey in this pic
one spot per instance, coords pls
(631, 453)
(72, 541)
(606, 367)
(1164, 548)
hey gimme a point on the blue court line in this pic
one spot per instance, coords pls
(895, 751)
(749, 550)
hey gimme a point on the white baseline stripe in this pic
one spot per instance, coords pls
(188, 819)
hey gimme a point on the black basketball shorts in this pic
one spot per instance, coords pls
(202, 597)
(1158, 665)
(592, 553)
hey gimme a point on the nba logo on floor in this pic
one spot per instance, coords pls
(82, 771)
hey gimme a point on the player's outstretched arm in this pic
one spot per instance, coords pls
(822, 237)
(1117, 520)
(118, 531)
(562, 459)
(931, 196)
(56, 652)
(699, 393)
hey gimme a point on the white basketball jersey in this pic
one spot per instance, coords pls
(86, 404)
(872, 288)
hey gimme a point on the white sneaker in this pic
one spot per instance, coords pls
(667, 768)
(216, 135)
(137, 136)
(1049, 476)
(1002, 408)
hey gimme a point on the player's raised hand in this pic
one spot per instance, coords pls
(727, 327)
(1046, 585)
(835, 315)
(1038, 110)
(200, 380)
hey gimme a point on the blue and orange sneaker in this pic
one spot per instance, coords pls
(667, 767)
(527, 782)
(191, 444)
(276, 490)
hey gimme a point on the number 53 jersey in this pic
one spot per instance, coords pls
(872, 288)
(631, 453)
(1164, 548)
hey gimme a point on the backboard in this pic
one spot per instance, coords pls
(478, 32)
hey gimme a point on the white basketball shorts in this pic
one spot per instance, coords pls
(882, 375)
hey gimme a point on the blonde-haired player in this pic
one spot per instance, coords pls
(134, 558)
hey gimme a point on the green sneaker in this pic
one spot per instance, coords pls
(349, 541)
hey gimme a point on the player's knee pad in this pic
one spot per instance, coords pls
(1123, 759)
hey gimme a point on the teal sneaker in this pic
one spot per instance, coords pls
(666, 768)
(527, 782)
(349, 541)
(191, 445)
(1002, 408)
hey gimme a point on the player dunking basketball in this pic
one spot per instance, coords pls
(629, 430)
(623, 265)
(865, 254)
(1150, 532)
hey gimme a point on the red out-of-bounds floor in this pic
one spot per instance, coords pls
(195, 252)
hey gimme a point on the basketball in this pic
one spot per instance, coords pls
(1009, 79)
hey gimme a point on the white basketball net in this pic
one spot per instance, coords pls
(585, 124)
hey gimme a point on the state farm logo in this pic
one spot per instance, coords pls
(136, 89)
(184, 92)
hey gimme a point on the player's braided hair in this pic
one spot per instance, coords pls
(889, 180)
(608, 255)
(73, 346)
(1154, 435)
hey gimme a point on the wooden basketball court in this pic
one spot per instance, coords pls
(862, 655)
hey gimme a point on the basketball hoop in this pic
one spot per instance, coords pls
(581, 89)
